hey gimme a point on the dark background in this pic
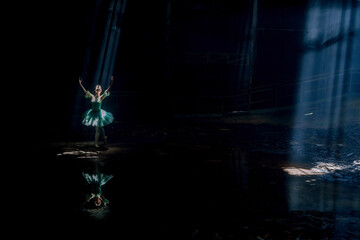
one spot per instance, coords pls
(163, 68)
(55, 38)
(158, 64)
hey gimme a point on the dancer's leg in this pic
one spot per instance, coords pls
(102, 132)
(97, 134)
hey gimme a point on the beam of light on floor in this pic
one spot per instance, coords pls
(80, 154)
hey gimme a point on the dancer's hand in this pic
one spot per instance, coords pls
(80, 82)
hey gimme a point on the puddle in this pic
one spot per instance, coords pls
(216, 188)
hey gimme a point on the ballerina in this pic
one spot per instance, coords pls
(97, 117)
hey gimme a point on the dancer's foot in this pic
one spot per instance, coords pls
(105, 139)
(96, 145)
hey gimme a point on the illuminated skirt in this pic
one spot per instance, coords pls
(97, 118)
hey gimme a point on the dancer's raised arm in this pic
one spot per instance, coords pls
(80, 82)
(111, 83)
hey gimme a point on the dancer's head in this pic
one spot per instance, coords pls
(97, 201)
(98, 89)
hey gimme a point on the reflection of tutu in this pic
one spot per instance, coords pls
(98, 179)
(97, 118)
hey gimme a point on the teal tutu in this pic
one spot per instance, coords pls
(97, 118)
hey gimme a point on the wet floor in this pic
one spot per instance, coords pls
(171, 190)
(200, 182)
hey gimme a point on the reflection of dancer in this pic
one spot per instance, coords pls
(96, 116)
(96, 198)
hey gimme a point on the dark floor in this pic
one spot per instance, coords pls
(235, 177)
